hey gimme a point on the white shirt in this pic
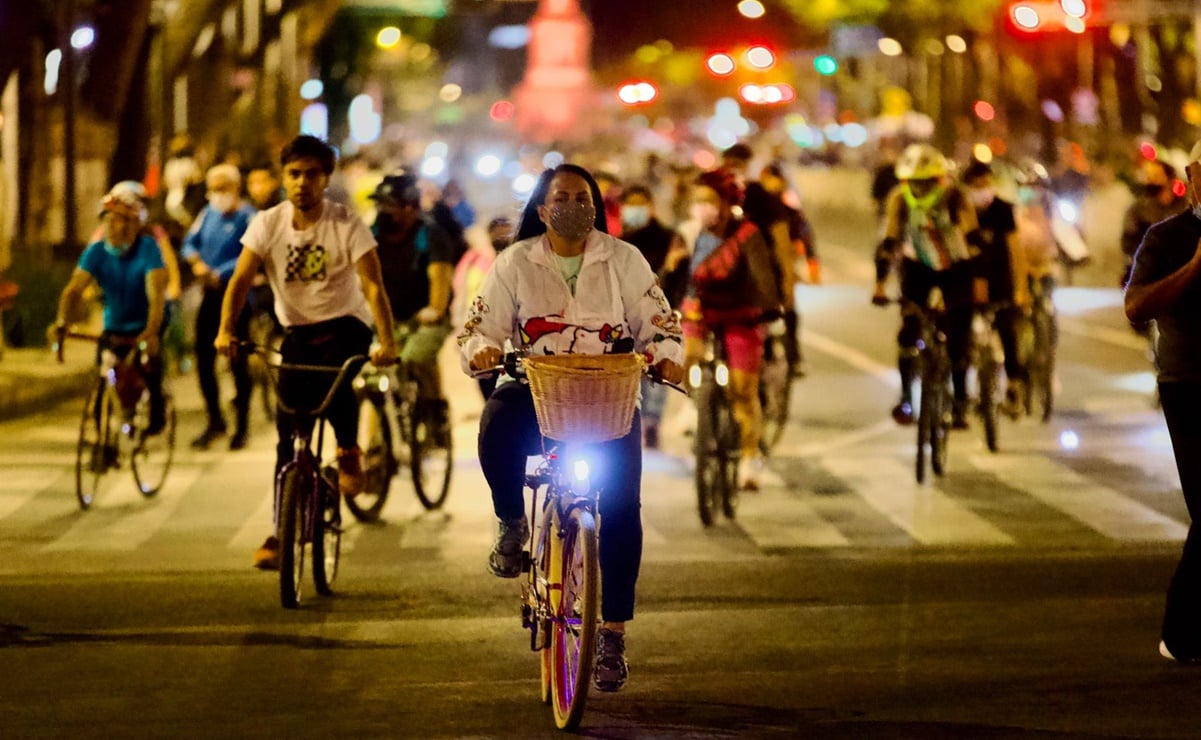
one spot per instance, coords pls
(526, 300)
(312, 272)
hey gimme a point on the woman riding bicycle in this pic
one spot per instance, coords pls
(734, 290)
(567, 286)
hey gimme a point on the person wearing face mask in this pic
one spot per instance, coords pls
(641, 228)
(212, 247)
(567, 286)
(1002, 266)
(733, 287)
(1154, 201)
(931, 227)
(1165, 287)
(127, 265)
(418, 262)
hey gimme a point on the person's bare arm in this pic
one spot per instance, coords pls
(236, 292)
(156, 297)
(372, 279)
(1145, 302)
(441, 275)
(68, 301)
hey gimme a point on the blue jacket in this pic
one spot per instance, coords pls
(217, 238)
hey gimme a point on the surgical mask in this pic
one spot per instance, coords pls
(635, 217)
(981, 197)
(705, 213)
(223, 202)
(116, 250)
(572, 220)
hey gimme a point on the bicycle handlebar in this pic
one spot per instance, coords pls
(353, 363)
(65, 334)
(513, 369)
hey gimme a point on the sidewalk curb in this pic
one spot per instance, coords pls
(26, 388)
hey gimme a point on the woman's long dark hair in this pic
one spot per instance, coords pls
(531, 225)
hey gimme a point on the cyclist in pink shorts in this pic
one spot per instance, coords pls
(734, 290)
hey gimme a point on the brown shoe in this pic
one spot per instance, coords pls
(267, 556)
(351, 478)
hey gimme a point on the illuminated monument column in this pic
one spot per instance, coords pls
(557, 87)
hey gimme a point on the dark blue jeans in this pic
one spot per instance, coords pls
(1182, 613)
(509, 435)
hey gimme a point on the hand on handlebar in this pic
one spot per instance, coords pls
(384, 355)
(879, 297)
(226, 344)
(669, 372)
(485, 359)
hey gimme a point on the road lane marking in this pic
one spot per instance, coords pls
(929, 516)
(1124, 338)
(775, 519)
(886, 374)
(18, 486)
(1098, 507)
(250, 535)
(126, 526)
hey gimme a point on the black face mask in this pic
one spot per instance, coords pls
(1152, 191)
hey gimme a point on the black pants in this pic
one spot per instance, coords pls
(327, 343)
(1182, 614)
(1008, 320)
(208, 321)
(509, 434)
(955, 282)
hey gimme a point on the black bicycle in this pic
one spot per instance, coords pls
(775, 387)
(934, 414)
(718, 443)
(1040, 391)
(426, 444)
(987, 358)
(308, 504)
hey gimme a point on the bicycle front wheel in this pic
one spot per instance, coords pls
(96, 452)
(379, 465)
(1042, 366)
(573, 637)
(327, 535)
(940, 423)
(152, 455)
(432, 456)
(729, 436)
(291, 537)
(775, 395)
(987, 373)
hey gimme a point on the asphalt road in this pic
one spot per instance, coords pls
(1019, 596)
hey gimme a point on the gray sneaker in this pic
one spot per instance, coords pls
(505, 560)
(611, 670)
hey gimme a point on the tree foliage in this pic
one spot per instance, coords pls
(907, 18)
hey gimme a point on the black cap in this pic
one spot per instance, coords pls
(740, 152)
(398, 189)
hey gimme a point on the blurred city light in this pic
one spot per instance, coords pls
(437, 149)
(825, 64)
(720, 64)
(553, 159)
(1179, 189)
(889, 47)
(1075, 25)
(433, 166)
(312, 89)
(388, 37)
(1074, 8)
(1148, 151)
(314, 120)
(751, 93)
(524, 183)
(854, 135)
(365, 123)
(760, 57)
(488, 165)
(83, 37)
(1052, 110)
(984, 110)
(1025, 17)
(956, 43)
(751, 9)
(509, 37)
(53, 60)
(982, 153)
(450, 93)
(1069, 440)
(637, 93)
(501, 110)
(1067, 210)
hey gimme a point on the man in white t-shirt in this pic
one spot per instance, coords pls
(321, 262)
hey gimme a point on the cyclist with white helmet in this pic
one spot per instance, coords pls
(128, 266)
(931, 226)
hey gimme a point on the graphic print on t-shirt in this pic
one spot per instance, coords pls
(306, 263)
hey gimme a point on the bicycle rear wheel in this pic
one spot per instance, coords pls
(291, 537)
(573, 638)
(327, 535)
(96, 452)
(379, 464)
(152, 455)
(987, 372)
(432, 456)
(1042, 366)
(775, 395)
(709, 469)
(940, 421)
(729, 436)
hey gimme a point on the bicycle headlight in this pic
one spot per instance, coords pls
(694, 376)
(581, 470)
(384, 384)
(722, 375)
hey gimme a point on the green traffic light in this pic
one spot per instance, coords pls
(825, 64)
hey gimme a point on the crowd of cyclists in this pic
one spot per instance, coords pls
(592, 265)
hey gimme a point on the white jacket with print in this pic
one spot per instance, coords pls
(525, 300)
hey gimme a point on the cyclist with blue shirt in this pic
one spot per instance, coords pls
(128, 267)
(212, 247)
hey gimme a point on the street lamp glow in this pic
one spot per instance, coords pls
(312, 89)
(1074, 8)
(982, 153)
(388, 37)
(751, 9)
(956, 43)
(760, 57)
(720, 64)
(450, 93)
(488, 165)
(889, 47)
(83, 37)
(524, 183)
(1026, 17)
(1074, 24)
(433, 166)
